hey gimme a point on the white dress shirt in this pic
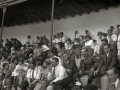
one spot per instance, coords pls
(60, 73)
(113, 37)
(68, 46)
(90, 43)
(116, 83)
(37, 73)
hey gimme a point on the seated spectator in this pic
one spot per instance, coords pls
(111, 37)
(89, 42)
(70, 65)
(38, 40)
(7, 80)
(55, 40)
(45, 41)
(114, 81)
(68, 44)
(37, 50)
(28, 51)
(87, 66)
(60, 48)
(108, 60)
(105, 42)
(77, 47)
(56, 76)
(18, 74)
(3, 60)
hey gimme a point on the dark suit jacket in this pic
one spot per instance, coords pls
(71, 64)
(88, 63)
(27, 52)
(108, 62)
(110, 86)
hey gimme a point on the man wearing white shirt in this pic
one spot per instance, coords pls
(56, 75)
(111, 37)
(33, 75)
(114, 81)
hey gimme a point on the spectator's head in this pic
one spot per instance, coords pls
(15, 60)
(61, 34)
(37, 45)
(28, 46)
(12, 53)
(37, 61)
(53, 52)
(117, 32)
(106, 48)
(90, 87)
(58, 35)
(68, 41)
(112, 28)
(86, 32)
(104, 41)
(59, 46)
(46, 63)
(29, 37)
(77, 41)
(112, 74)
(55, 61)
(20, 62)
(109, 32)
(12, 48)
(32, 65)
(6, 66)
(99, 34)
(54, 36)
(22, 48)
(38, 37)
(81, 38)
(88, 37)
(7, 39)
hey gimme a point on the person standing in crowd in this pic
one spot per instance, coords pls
(112, 38)
(30, 41)
(56, 76)
(114, 81)
(62, 37)
(8, 42)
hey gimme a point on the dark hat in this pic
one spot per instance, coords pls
(28, 36)
(54, 50)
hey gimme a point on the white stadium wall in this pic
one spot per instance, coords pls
(93, 22)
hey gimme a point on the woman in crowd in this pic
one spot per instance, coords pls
(68, 44)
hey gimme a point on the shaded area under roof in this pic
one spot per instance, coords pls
(36, 11)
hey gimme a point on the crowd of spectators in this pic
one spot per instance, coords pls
(37, 66)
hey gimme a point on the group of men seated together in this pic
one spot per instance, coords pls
(37, 66)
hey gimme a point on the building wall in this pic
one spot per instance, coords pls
(93, 22)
